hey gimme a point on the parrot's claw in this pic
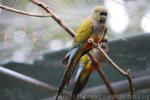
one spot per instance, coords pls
(90, 40)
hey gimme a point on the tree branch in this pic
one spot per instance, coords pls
(23, 12)
(56, 18)
(113, 64)
(103, 77)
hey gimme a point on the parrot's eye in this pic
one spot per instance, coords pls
(96, 11)
(103, 13)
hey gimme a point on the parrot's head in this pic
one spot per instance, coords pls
(99, 14)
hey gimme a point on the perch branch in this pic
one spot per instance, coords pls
(125, 73)
(22, 12)
(103, 77)
(29, 80)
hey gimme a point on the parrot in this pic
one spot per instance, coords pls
(86, 68)
(93, 27)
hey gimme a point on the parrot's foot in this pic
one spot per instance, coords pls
(90, 40)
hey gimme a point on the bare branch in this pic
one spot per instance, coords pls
(23, 12)
(125, 73)
(56, 18)
(103, 77)
(29, 80)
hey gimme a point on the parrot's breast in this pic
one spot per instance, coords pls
(99, 29)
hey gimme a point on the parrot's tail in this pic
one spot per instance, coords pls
(65, 60)
(65, 80)
(63, 83)
(80, 84)
(56, 97)
(73, 97)
(69, 71)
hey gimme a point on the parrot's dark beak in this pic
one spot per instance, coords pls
(103, 16)
(102, 19)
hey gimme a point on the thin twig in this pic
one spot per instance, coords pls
(125, 73)
(56, 18)
(23, 12)
(103, 77)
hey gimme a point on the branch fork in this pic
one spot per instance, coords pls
(125, 73)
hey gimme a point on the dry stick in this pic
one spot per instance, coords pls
(23, 12)
(60, 22)
(56, 18)
(102, 75)
(125, 73)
